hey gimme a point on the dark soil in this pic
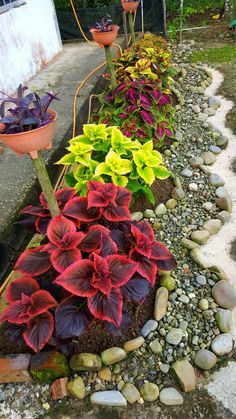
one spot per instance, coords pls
(96, 338)
(161, 189)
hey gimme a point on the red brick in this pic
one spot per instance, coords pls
(15, 368)
(49, 365)
(59, 389)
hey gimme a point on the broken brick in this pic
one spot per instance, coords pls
(15, 368)
(59, 389)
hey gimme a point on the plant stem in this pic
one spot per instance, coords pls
(45, 183)
(110, 66)
(131, 25)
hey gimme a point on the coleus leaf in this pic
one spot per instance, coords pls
(107, 308)
(62, 258)
(58, 227)
(33, 262)
(136, 289)
(121, 269)
(147, 268)
(72, 318)
(25, 285)
(39, 331)
(16, 312)
(77, 277)
(78, 208)
(122, 328)
(92, 240)
(41, 302)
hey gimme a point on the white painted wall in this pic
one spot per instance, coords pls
(29, 39)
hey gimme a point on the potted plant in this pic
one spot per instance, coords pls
(26, 128)
(129, 5)
(105, 33)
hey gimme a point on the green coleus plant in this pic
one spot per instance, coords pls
(104, 154)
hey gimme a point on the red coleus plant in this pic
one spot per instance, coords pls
(100, 267)
(29, 306)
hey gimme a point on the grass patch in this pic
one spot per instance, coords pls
(215, 55)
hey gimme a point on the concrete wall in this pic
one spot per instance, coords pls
(29, 39)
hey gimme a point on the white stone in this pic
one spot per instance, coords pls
(108, 398)
(171, 397)
(222, 344)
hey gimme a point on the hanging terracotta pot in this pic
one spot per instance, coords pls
(105, 39)
(31, 141)
(130, 6)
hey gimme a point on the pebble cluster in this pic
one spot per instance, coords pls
(192, 319)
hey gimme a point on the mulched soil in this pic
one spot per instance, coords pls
(96, 338)
(161, 189)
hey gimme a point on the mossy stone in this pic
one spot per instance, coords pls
(168, 282)
(47, 366)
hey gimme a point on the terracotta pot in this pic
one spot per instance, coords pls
(130, 6)
(31, 141)
(105, 39)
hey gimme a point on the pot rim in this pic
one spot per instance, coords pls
(115, 27)
(49, 110)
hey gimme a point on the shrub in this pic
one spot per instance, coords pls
(105, 154)
(95, 267)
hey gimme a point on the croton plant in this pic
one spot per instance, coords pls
(93, 260)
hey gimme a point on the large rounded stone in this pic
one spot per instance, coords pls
(212, 226)
(185, 374)
(171, 203)
(216, 180)
(161, 301)
(168, 282)
(156, 347)
(224, 320)
(149, 392)
(113, 355)
(189, 244)
(196, 162)
(224, 295)
(171, 397)
(160, 210)
(200, 236)
(205, 359)
(137, 216)
(199, 258)
(133, 344)
(85, 362)
(178, 194)
(76, 388)
(174, 336)
(108, 398)
(224, 203)
(150, 326)
(221, 192)
(130, 393)
(218, 271)
(222, 344)
(208, 157)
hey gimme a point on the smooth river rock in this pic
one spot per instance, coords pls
(199, 258)
(224, 203)
(133, 344)
(208, 157)
(222, 344)
(200, 236)
(108, 398)
(224, 294)
(85, 362)
(161, 302)
(189, 244)
(150, 326)
(218, 271)
(113, 355)
(76, 388)
(171, 397)
(216, 180)
(174, 336)
(224, 320)
(149, 392)
(185, 375)
(212, 226)
(130, 393)
(205, 359)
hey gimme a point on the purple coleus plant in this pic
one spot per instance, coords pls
(27, 112)
(141, 111)
(108, 261)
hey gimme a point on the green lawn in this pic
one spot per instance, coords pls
(216, 55)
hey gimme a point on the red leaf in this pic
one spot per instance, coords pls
(76, 279)
(166, 264)
(121, 269)
(24, 285)
(92, 239)
(101, 279)
(33, 261)
(42, 301)
(16, 313)
(72, 317)
(39, 331)
(143, 243)
(71, 240)
(107, 308)
(58, 227)
(123, 196)
(62, 258)
(42, 224)
(99, 195)
(78, 208)
(39, 211)
(64, 195)
(146, 228)
(116, 213)
(108, 246)
(146, 267)
(159, 251)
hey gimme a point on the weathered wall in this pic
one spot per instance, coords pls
(29, 39)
